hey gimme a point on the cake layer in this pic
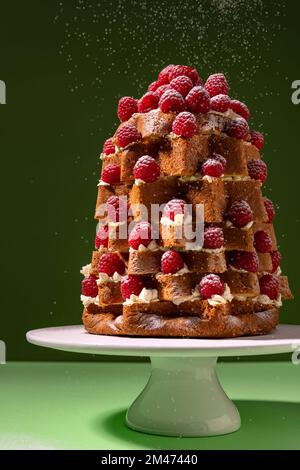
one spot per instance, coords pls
(138, 323)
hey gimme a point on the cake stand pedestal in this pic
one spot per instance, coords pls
(183, 396)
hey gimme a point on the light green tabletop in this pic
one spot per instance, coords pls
(82, 406)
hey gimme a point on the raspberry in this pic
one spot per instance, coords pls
(111, 174)
(257, 170)
(89, 286)
(146, 169)
(153, 86)
(212, 167)
(108, 147)
(182, 84)
(198, 100)
(257, 139)
(220, 103)
(171, 262)
(245, 260)
(240, 108)
(127, 134)
(163, 77)
(210, 285)
(185, 124)
(276, 260)
(213, 238)
(216, 84)
(127, 107)
(262, 241)
(269, 209)
(178, 70)
(174, 207)
(269, 285)
(111, 263)
(131, 285)
(171, 100)
(140, 235)
(101, 237)
(220, 158)
(237, 128)
(160, 90)
(117, 209)
(240, 213)
(148, 101)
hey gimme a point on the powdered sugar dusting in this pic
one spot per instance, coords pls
(104, 40)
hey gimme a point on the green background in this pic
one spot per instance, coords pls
(65, 65)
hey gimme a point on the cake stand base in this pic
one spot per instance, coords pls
(183, 397)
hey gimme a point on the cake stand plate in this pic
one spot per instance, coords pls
(183, 396)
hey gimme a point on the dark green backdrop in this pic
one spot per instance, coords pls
(65, 65)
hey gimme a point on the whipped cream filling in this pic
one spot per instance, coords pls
(103, 277)
(188, 298)
(237, 270)
(245, 227)
(265, 299)
(85, 270)
(86, 300)
(103, 183)
(145, 296)
(235, 178)
(139, 182)
(153, 246)
(188, 179)
(213, 250)
(221, 299)
(179, 220)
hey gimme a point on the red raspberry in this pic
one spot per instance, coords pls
(269, 209)
(216, 84)
(117, 209)
(257, 139)
(220, 103)
(89, 286)
(245, 260)
(111, 263)
(140, 235)
(269, 285)
(163, 77)
(148, 101)
(212, 167)
(127, 134)
(131, 285)
(262, 241)
(185, 124)
(153, 86)
(213, 238)
(182, 84)
(257, 170)
(178, 70)
(240, 108)
(171, 262)
(146, 169)
(171, 100)
(111, 174)
(237, 128)
(240, 213)
(220, 158)
(160, 90)
(127, 107)
(210, 285)
(101, 237)
(108, 147)
(198, 100)
(276, 260)
(174, 207)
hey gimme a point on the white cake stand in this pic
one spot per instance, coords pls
(183, 396)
